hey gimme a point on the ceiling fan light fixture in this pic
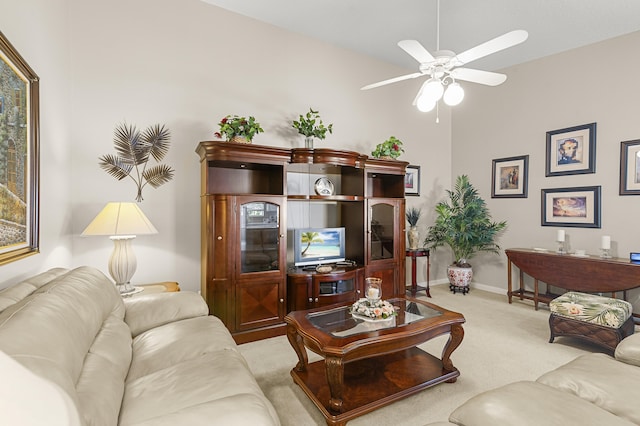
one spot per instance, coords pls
(424, 104)
(433, 89)
(453, 95)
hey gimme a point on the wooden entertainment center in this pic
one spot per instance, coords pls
(254, 196)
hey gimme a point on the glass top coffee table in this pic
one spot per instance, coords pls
(369, 364)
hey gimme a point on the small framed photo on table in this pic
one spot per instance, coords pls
(412, 180)
(577, 207)
(509, 177)
(571, 151)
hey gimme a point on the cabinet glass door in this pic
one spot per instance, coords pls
(259, 236)
(382, 231)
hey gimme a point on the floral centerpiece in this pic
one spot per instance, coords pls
(379, 310)
(392, 148)
(233, 127)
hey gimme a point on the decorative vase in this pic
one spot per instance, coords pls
(308, 142)
(459, 278)
(386, 157)
(414, 237)
(239, 139)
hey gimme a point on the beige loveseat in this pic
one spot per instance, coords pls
(72, 352)
(592, 390)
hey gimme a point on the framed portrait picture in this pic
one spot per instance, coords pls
(576, 207)
(412, 180)
(571, 151)
(509, 177)
(19, 157)
(630, 167)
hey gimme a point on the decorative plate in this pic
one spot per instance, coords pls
(324, 186)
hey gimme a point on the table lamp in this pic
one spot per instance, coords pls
(122, 222)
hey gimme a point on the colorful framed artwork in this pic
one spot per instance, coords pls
(571, 151)
(19, 155)
(509, 177)
(630, 167)
(412, 180)
(577, 207)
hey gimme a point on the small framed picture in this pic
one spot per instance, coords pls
(574, 207)
(571, 151)
(630, 167)
(509, 177)
(412, 180)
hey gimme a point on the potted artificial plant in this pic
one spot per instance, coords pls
(238, 129)
(413, 215)
(389, 149)
(311, 126)
(464, 224)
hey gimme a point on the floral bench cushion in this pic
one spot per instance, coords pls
(600, 310)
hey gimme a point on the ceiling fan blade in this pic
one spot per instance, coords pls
(492, 46)
(478, 76)
(415, 49)
(392, 80)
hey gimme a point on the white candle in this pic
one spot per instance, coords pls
(560, 237)
(606, 242)
(372, 293)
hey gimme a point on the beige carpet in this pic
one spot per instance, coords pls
(503, 343)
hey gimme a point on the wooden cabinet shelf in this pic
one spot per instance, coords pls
(254, 196)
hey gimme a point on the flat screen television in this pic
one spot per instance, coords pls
(315, 246)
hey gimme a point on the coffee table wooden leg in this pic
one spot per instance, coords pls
(298, 345)
(335, 379)
(455, 338)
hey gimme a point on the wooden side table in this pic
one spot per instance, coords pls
(161, 287)
(414, 254)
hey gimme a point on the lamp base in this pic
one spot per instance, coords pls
(125, 288)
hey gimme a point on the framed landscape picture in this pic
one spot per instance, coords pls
(571, 151)
(630, 167)
(412, 180)
(576, 207)
(509, 177)
(19, 162)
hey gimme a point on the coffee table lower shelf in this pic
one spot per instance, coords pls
(373, 382)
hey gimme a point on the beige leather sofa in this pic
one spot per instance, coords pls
(592, 390)
(72, 352)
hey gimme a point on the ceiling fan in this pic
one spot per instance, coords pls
(444, 67)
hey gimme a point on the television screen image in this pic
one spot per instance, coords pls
(315, 246)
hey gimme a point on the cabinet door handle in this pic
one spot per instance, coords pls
(219, 237)
(310, 299)
(316, 300)
(281, 300)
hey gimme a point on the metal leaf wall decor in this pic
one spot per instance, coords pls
(133, 151)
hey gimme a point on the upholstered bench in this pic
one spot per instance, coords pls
(598, 319)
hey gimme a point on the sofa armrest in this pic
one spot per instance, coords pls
(153, 310)
(628, 351)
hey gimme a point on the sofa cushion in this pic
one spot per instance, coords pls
(176, 392)
(628, 350)
(153, 310)
(20, 389)
(172, 343)
(16, 293)
(71, 331)
(601, 380)
(531, 404)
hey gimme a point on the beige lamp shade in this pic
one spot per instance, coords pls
(121, 222)
(118, 219)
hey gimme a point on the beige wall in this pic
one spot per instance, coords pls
(592, 84)
(186, 64)
(39, 30)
